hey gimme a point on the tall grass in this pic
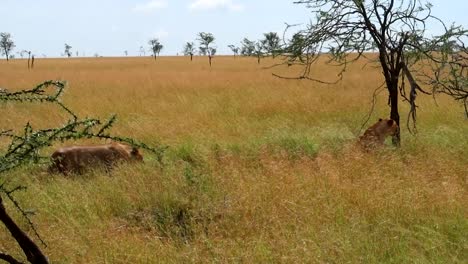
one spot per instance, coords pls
(259, 170)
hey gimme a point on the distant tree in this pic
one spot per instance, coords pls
(155, 47)
(259, 50)
(68, 51)
(271, 43)
(206, 39)
(142, 51)
(29, 59)
(234, 49)
(248, 47)
(126, 53)
(189, 49)
(22, 53)
(295, 49)
(6, 44)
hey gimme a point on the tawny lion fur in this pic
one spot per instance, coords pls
(79, 158)
(376, 134)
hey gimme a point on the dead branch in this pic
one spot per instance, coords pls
(9, 259)
(373, 102)
(30, 249)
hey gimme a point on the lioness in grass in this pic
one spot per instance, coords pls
(79, 158)
(376, 134)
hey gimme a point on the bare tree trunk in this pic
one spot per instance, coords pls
(393, 93)
(209, 58)
(191, 56)
(30, 249)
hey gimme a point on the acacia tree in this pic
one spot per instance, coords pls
(68, 51)
(259, 50)
(189, 49)
(248, 47)
(346, 29)
(253, 48)
(6, 44)
(206, 39)
(271, 43)
(296, 49)
(25, 149)
(155, 47)
(234, 49)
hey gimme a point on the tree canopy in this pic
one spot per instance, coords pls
(189, 49)
(248, 47)
(155, 47)
(68, 50)
(348, 30)
(271, 43)
(234, 49)
(6, 44)
(206, 40)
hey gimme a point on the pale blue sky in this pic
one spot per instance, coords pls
(108, 27)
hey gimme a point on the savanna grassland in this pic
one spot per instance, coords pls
(258, 170)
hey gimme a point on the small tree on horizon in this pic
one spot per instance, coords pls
(189, 50)
(271, 43)
(259, 50)
(248, 47)
(206, 39)
(6, 44)
(234, 49)
(155, 47)
(68, 51)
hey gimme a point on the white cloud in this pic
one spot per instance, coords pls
(215, 4)
(150, 6)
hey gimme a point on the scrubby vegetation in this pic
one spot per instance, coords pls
(259, 169)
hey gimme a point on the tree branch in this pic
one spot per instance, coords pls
(9, 259)
(30, 249)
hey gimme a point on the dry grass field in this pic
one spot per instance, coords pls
(258, 170)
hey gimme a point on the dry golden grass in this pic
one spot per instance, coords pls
(259, 169)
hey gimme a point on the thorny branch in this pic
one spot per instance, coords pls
(25, 148)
